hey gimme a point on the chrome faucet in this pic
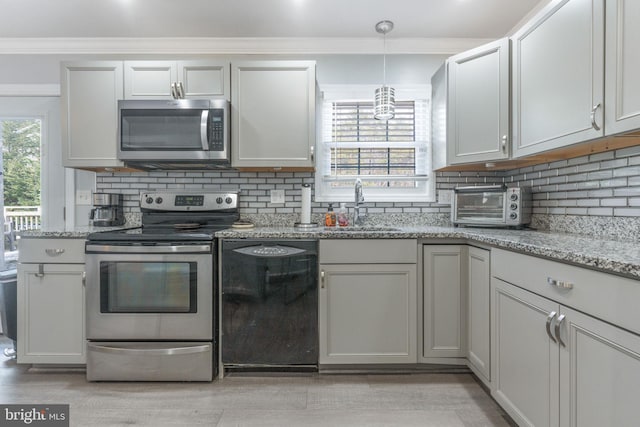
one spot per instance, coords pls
(358, 218)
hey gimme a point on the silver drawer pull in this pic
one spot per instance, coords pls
(559, 283)
(54, 252)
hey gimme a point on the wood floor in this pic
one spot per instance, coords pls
(429, 399)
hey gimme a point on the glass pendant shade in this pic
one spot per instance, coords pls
(384, 103)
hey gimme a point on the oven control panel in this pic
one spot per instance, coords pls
(189, 201)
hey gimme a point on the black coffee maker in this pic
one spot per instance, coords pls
(107, 210)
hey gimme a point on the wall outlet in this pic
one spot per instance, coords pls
(444, 197)
(83, 197)
(277, 196)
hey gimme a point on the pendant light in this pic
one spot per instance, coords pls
(384, 101)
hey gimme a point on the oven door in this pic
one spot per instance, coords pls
(148, 293)
(482, 205)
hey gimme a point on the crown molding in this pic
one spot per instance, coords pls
(235, 45)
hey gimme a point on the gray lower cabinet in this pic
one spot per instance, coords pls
(444, 303)
(51, 301)
(525, 359)
(553, 362)
(367, 301)
(479, 322)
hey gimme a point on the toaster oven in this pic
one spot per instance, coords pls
(491, 206)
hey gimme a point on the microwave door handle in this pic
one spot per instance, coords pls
(204, 124)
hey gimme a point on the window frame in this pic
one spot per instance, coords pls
(364, 93)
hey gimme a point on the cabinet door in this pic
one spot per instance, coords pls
(51, 313)
(444, 302)
(622, 87)
(558, 82)
(89, 109)
(525, 361)
(205, 79)
(273, 114)
(367, 313)
(600, 373)
(149, 79)
(478, 128)
(479, 338)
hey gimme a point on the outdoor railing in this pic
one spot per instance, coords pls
(22, 218)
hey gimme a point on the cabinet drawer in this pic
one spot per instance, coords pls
(368, 251)
(49, 251)
(606, 296)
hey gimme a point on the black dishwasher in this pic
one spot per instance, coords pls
(269, 305)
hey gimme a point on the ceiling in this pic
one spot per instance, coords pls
(433, 19)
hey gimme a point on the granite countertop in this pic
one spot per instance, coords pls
(611, 256)
(80, 232)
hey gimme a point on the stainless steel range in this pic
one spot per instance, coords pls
(152, 292)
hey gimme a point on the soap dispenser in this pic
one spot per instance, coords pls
(330, 217)
(343, 215)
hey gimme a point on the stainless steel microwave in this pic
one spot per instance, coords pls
(491, 206)
(179, 132)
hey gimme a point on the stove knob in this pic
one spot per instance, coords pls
(149, 200)
(228, 200)
(219, 200)
(513, 215)
(514, 206)
(159, 200)
(514, 197)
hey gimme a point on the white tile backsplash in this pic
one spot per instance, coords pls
(603, 184)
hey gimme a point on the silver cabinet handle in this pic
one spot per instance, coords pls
(54, 252)
(504, 143)
(174, 91)
(312, 151)
(40, 272)
(593, 116)
(557, 329)
(559, 283)
(322, 279)
(84, 279)
(180, 90)
(115, 349)
(549, 320)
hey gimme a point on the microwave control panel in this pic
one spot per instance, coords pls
(216, 129)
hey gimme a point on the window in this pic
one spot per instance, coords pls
(33, 177)
(391, 158)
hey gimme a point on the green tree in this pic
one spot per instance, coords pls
(21, 162)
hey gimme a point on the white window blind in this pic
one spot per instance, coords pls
(391, 158)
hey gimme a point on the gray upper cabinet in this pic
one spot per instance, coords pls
(176, 79)
(273, 114)
(557, 77)
(89, 109)
(622, 86)
(478, 104)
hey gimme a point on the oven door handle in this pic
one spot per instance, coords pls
(150, 351)
(148, 249)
